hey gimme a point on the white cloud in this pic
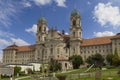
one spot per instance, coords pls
(26, 4)
(7, 10)
(10, 9)
(107, 14)
(67, 33)
(19, 41)
(60, 3)
(5, 34)
(4, 42)
(102, 34)
(42, 2)
(33, 29)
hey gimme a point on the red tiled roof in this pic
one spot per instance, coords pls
(117, 36)
(13, 47)
(96, 41)
(85, 42)
(66, 36)
(20, 48)
(25, 48)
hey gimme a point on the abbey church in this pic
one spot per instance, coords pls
(51, 44)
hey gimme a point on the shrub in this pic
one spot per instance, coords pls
(4, 76)
(61, 76)
(118, 72)
(22, 73)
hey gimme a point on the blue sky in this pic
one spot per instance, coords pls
(18, 18)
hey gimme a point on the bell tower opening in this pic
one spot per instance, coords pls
(74, 22)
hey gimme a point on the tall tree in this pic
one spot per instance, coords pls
(115, 58)
(109, 58)
(17, 70)
(54, 65)
(76, 61)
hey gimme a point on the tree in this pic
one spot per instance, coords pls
(54, 65)
(115, 58)
(29, 70)
(96, 59)
(109, 58)
(17, 70)
(76, 61)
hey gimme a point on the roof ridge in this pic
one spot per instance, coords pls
(99, 37)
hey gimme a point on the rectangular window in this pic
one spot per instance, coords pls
(95, 47)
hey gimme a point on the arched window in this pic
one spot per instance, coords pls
(66, 65)
(39, 28)
(44, 28)
(74, 23)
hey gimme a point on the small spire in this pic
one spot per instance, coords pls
(54, 28)
(63, 31)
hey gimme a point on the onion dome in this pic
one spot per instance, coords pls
(42, 19)
(75, 12)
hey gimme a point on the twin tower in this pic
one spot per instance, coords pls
(52, 44)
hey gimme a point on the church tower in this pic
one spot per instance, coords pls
(75, 32)
(75, 25)
(41, 31)
(41, 39)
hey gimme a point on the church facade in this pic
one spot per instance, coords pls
(51, 44)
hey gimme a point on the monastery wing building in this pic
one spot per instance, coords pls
(51, 44)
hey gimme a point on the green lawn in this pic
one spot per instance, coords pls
(105, 74)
